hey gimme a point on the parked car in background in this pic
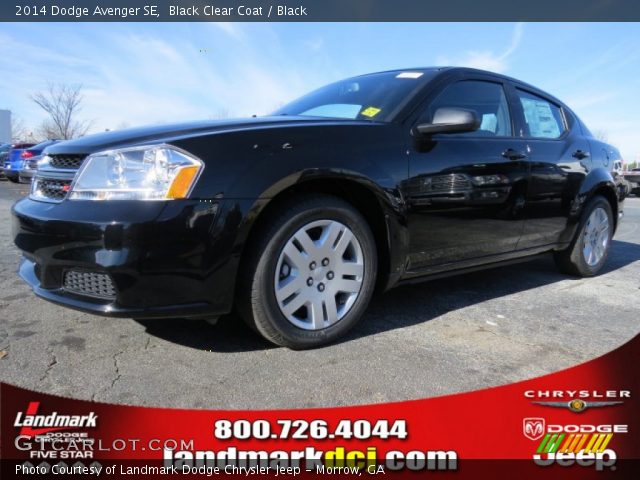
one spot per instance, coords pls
(622, 184)
(4, 153)
(30, 158)
(13, 163)
(633, 179)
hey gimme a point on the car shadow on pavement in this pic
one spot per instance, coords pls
(400, 307)
(230, 334)
(621, 255)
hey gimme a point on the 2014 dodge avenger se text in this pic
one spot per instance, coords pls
(295, 218)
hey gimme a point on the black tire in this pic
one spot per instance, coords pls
(571, 260)
(257, 302)
(13, 179)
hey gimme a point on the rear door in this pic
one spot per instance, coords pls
(559, 158)
(465, 192)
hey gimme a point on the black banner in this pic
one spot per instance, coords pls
(317, 10)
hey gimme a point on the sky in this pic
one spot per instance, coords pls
(143, 73)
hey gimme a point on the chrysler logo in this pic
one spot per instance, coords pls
(577, 405)
(533, 428)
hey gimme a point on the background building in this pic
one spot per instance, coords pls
(5, 126)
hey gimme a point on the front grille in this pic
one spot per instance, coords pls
(52, 189)
(90, 284)
(68, 161)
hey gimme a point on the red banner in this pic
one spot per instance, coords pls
(577, 423)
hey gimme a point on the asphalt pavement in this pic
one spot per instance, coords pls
(458, 334)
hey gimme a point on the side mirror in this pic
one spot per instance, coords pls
(450, 120)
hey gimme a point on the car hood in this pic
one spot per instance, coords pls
(169, 132)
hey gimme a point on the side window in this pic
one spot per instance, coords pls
(487, 99)
(544, 119)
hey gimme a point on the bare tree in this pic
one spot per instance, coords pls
(62, 103)
(19, 131)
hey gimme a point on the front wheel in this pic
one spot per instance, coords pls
(588, 251)
(311, 273)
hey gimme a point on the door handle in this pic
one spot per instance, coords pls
(580, 154)
(512, 154)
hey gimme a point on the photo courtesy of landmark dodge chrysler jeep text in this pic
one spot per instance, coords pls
(295, 218)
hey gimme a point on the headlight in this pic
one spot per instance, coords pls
(154, 172)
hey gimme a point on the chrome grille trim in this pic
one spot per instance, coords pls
(50, 189)
(54, 177)
(449, 183)
(68, 161)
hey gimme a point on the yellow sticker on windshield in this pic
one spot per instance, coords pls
(370, 111)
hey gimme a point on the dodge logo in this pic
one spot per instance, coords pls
(533, 428)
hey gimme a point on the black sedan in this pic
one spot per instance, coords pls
(296, 218)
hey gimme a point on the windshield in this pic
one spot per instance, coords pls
(369, 97)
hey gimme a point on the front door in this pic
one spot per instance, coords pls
(465, 192)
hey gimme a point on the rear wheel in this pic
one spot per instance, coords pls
(311, 274)
(589, 249)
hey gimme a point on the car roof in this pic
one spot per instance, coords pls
(451, 70)
(44, 143)
(476, 71)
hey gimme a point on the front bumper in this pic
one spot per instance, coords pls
(164, 259)
(26, 173)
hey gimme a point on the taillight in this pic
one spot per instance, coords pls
(26, 154)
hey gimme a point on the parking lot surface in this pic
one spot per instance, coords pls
(458, 334)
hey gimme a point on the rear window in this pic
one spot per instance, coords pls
(543, 118)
